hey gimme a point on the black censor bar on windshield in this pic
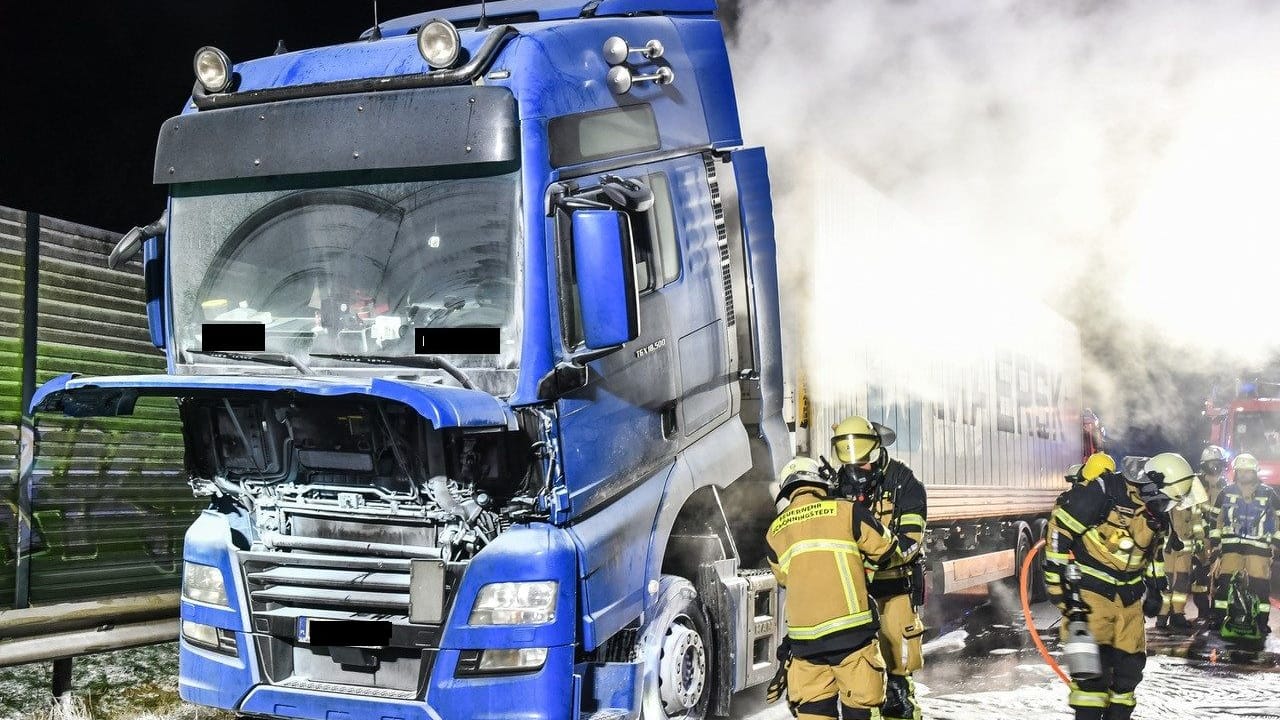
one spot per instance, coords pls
(233, 337)
(457, 341)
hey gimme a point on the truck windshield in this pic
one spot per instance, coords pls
(1258, 433)
(349, 269)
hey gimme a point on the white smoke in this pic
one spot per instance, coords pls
(1116, 160)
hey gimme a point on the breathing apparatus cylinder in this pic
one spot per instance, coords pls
(1080, 651)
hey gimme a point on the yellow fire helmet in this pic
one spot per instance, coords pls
(1177, 480)
(1095, 465)
(856, 439)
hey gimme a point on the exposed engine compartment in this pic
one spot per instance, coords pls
(309, 471)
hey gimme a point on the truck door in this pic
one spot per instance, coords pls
(622, 427)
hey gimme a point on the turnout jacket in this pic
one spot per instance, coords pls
(1109, 535)
(901, 506)
(1247, 524)
(817, 550)
(1186, 529)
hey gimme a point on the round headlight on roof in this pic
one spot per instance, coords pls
(213, 69)
(439, 43)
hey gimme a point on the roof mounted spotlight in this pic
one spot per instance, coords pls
(616, 50)
(213, 69)
(620, 79)
(439, 44)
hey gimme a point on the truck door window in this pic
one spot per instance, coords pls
(656, 251)
(664, 226)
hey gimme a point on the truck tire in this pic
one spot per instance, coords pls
(676, 648)
(1021, 546)
(1036, 590)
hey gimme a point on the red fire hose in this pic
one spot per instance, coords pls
(1026, 612)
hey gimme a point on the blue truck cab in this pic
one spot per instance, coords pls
(473, 328)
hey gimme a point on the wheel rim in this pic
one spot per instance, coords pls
(682, 669)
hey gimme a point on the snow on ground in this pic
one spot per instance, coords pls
(123, 685)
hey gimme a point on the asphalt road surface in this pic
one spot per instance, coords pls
(975, 670)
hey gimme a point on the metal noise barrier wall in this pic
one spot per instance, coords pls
(101, 508)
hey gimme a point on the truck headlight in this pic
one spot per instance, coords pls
(207, 636)
(493, 662)
(515, 603)
(439, 44)
(213, 69)
(203, 583)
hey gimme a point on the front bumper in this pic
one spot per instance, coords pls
(223, 681)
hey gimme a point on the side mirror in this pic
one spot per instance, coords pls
(126, 249)
(131, 242)
(604, 264)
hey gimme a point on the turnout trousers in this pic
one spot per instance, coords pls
(1177, 566)
(900, 641)
(817, 690)
(1120, 631)
(1257, 568)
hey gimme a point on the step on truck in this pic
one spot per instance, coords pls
(472, 325)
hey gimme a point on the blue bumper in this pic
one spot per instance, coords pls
(553, 692)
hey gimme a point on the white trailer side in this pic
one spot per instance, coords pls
(982, 387)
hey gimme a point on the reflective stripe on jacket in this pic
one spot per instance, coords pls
(817, 551)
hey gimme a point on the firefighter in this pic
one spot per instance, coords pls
(1184, 541)
(1112, 530)
(1213, 471)
(897, 498)
(832, 665)
(1245, 539)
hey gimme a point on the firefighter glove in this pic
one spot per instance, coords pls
(778, 685)
(1151, 602)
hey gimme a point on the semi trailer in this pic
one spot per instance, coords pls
(472, 325)
(982, 386)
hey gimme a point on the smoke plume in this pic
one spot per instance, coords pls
(1114, 160)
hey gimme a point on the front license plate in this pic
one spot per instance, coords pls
(344, 633)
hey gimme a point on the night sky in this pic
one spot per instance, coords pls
(86, 86)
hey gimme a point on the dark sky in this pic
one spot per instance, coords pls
(86, 86)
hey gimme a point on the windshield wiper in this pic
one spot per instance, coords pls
(430, 362)
(278, 359)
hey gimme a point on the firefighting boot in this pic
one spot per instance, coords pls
(1178, 623)
(900, 699)
(1162, 622)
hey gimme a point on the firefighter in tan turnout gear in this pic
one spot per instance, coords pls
(1213, 475)
(891, 491)
(1184, 549)
(818, 548)
(1111, 532)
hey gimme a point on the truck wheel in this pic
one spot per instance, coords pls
(678, 654)
(1021, 546)
(1036, 590)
